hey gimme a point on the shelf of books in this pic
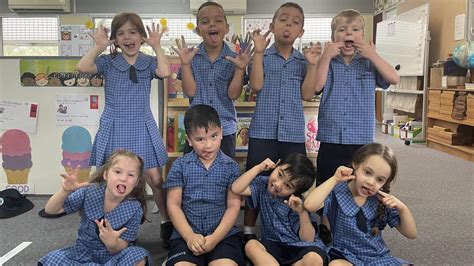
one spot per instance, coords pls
(176, 104)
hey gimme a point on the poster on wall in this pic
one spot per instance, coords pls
(55, 73)
(18, 114)
(74, 40)
(77, 109)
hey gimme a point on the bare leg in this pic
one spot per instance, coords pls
(155, 181)
(340, 263)
(311, 258)
(257, 253)
(222, 262)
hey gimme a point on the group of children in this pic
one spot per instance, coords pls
(203, 193)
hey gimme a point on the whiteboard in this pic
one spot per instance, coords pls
(401, 41)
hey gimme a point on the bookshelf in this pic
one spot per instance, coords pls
(175, 104)
(445, 133)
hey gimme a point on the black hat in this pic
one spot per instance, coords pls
(12, 203)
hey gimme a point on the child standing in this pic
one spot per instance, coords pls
(358, 205)
(288, 236)
(348, 72)
(111, 207)
(201, 205)
(127, 121)
(212, 73)
(282, 77)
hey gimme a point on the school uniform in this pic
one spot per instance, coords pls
(89, 248)
(346, 118)
(277, 126)
(280, 225)
(212, 85)
(127, 121)
(352, 242)
(204, 202)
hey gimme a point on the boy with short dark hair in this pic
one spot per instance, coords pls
(288, 235)
(201, 205)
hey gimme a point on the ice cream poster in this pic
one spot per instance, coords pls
(77, 109)
(18, 114)
(56, 73)
(16, 159)
(77, 146)
(310, 133)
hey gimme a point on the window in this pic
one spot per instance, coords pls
(34, 36)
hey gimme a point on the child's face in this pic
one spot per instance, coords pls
(287, 26)
(206, 144)
(212, 26)
(370, 176)
(128, 38)
(348, 32)
(279, 184)
(122, 177)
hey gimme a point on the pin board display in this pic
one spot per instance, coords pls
(401, 40)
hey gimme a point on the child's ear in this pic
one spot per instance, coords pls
(189, 141)
(198, 31)
(272, 28)
(301, 33)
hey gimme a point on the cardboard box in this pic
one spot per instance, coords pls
(435, 77)
(385, 126)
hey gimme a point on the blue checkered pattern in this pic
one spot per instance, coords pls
(278, 222)
(356, 246)
(212, 84)
(278, 113)
(127, 121)
(89, 249)
(347, 108)
(204, 198)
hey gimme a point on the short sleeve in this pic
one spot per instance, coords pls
(235, 173)
(257, 187)
(175, 175)
(380, 81)
(75, 201)
(102, 64)
(329, 202)
(393, 217)
(133, 225)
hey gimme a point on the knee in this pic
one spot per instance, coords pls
(312, 258)
(251, 245)
(154, 180)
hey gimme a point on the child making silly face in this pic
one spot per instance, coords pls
(350, 33)
(206, 142)
(212, 26)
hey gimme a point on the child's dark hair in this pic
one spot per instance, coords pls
(118, 22)
(206, 4)
(301, 171)
(387, 154)
(288, 4)
(200, 116)
(350, 15)
(138, 192)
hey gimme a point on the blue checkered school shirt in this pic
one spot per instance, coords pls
(212, 84)
(358, 247)
(204, 197)
(279, 222)
(347, 109)
(278, 113)
(89, 248)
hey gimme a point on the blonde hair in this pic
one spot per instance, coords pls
(350, 15)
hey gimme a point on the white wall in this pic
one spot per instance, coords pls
(46, 143)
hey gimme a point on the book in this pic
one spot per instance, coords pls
(310, 133)
(176, 134)
(174, 85)
(242, 138)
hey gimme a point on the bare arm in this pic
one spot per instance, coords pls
(306, 232)
(331, 50)
(154, 40)
(316, 198)
(87, 63)
(240, 63)
(407, 226)
(55, 204)
(368, 51)
(241, 185)
(256, 74)
(186, 55)
(312, 55)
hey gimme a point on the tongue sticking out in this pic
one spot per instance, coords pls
(213, 36)
(121, 189)
(348, 44)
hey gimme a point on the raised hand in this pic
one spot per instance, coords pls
(295, 203)
(242, 60)
(101, 37)
(154, 36)
(70, 182)
(366, 50)
(185, 53)
(267, 164)
(391, 201)
(312, 53)
(107, 234)
(343, 174)
(260, 41)
(197, 244)
(332, 49)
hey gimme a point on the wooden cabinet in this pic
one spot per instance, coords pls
(454, 136)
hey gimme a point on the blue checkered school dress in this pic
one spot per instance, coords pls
(358, 247)
(127, 121)
(89, 249)
(279, 223)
